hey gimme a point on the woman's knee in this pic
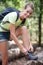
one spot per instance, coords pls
(24, 29)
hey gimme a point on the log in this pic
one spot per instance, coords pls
(12, 44)
(13, 53)
(13, 50)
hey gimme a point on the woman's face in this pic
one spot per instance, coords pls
(27, 12)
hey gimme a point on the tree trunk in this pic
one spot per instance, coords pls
(40, 19)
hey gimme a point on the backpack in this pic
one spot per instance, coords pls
(8, 10)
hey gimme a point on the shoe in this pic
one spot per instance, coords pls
(31, 56)
(30, 52)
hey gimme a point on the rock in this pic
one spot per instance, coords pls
(40, 56)
(28, 63)
(18, 62)
(38, 49)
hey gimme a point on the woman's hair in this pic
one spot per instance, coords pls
(30, 4)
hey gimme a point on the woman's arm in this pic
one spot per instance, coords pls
(13, 36)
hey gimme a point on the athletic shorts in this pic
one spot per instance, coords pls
(4, 36)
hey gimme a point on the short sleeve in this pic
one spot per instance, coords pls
(12, 17)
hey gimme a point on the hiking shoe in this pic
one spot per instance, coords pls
(31, 56)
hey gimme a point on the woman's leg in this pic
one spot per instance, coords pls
(3, 48)
(26, 38)
(23, 31)
(22, 48)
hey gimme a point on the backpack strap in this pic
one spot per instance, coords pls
(17, 14)
(23, 22)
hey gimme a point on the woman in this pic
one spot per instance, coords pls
(14, 29)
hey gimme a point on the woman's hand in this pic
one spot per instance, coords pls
(31, 49)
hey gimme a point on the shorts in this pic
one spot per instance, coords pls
(4, 36)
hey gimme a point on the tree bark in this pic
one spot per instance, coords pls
(40, 19)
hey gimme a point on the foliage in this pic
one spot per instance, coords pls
(19, 4)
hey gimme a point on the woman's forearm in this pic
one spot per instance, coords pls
(13, 36)
(17, 42)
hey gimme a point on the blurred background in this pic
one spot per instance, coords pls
(35, 23)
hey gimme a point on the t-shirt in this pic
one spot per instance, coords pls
(11, 18)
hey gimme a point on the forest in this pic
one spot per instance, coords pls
(35, 23)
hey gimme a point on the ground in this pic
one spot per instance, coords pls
(23, 61)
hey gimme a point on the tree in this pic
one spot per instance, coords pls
(40, 20)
